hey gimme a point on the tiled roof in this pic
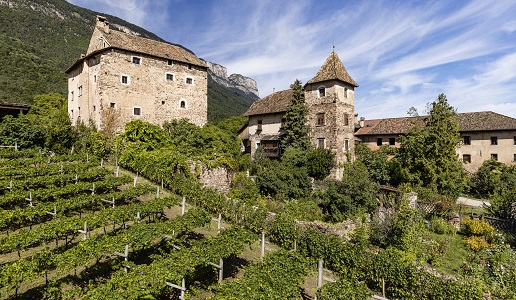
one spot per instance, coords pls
(274, 103)
(485, 120)
(474, 121)
(333, 69)
(138, 44)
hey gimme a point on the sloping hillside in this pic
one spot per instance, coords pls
(39, 39)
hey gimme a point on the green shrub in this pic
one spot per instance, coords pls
(441, 226)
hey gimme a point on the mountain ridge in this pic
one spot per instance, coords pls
(39, 39)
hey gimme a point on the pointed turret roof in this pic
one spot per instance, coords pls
(333, 69)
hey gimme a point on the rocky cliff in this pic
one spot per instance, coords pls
(239, 84)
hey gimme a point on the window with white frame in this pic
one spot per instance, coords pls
(321, 91)
(321, 119)
(137, 111)
(189, 80)
(169, 76)
(136, 60)
(124, 79)
(112, 105)
(321, 143)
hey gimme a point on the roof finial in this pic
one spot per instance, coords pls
(333, 45)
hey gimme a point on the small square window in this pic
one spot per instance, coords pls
(321, 119)
(320, 143)
(137, 60)
(466, 158)
(189, 67)
(494, 156)
(170, 62)
(189, 80)
(259, 127)
(346, 145)
(112, 105)
(124, 79)
(392, 141)
(322, 91)
(379, 142)
(162, 102)
(466, 140)
(494, 140)
(283, 122)
(346, 119)
(170, 77)
(137, 111)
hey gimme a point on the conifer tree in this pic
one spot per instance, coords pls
(296, 127)
(428, 154)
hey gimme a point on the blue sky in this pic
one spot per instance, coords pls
(401, 53)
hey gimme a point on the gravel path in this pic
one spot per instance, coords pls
(471, 202)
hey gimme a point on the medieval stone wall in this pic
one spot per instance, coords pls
(155, 89)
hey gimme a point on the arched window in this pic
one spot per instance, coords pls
(321, 91)
(182, 104)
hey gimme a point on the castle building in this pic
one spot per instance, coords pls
(329, 97)
(485, 135)
(124, 77)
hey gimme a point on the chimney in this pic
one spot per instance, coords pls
(362, 120)
(102, 24)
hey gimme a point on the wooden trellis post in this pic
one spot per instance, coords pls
(321, 276)
(157, 192)
(30, 200)
(87, 157)
(183, 206)
(112, 202)
(61, 170)
(102, 162)
(138, 217)
(135, 180)
(93, 189)
(218, 220)
(182, 288)
(54, 212)
(84, 231)
(220, 266)
(125, 255)
(10, 187)
(76, 178)
(117, 173)
(263, 242)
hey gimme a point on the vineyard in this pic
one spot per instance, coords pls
(75, 228)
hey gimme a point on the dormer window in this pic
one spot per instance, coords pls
(322, 91)
(137, 60)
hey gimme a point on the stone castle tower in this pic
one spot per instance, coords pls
(331, 104)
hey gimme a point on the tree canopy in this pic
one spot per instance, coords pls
(428, 153)
(296, 127)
